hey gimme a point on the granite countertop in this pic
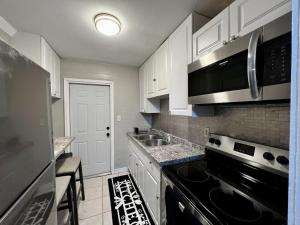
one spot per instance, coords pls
(172, 153)
(60, 144)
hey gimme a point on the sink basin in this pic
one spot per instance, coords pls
(156, 142)
(148, 137)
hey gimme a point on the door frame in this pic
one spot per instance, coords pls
(110, 84)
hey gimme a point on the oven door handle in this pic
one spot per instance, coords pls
(251, 65)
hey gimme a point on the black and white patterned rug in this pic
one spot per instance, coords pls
(127, 204)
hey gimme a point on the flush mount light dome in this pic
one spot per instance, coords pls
(107, 24)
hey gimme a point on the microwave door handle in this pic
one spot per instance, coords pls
(251, 64)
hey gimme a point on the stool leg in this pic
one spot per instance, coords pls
(75, 206)
(70, 204)
(81, 182)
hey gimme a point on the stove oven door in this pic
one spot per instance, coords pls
(177, 209)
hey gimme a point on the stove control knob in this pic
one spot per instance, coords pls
(211, 140)
(282, 160)
(268, 156)
(217, 142)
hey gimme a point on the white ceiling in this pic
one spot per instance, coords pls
(68, 25)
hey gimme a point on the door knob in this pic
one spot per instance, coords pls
(107, 134)
(107, 128)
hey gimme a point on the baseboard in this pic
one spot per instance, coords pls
(121, 170)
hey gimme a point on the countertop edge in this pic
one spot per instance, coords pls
(167, 162)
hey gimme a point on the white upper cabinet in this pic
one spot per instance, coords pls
(39, 51)
(157, 69)
(212, 35)
(151, 78)
(180, 49)
(146, 105)
(248, 15)
(162, 70)
(180, 55)
(51, 63)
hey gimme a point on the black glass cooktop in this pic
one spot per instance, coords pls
(232, 192)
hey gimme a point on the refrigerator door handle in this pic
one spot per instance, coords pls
(251, 65)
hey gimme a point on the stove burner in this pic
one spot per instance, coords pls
(234, 205)
(192, 174)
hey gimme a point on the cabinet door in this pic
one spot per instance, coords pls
(212, 35)
(132, 164)
(56, 75)
(180, 54)
(142, 88)
(162, 69)
(151, 78)
(47, 61)
(146, 105)
(140, 175)
(152, 196)
(248, 15)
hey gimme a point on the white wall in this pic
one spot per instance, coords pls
(126, 99)
(6, 30)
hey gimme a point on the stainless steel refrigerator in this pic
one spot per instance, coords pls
(27, 175)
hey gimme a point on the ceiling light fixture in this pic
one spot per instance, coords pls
(107, 24)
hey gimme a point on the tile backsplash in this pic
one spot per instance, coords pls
(264, 124)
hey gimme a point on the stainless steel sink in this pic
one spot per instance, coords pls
(145, 137)
(156, 142)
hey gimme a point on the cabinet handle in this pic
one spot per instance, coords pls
(157, 197)
(154, 79)
(150, 162)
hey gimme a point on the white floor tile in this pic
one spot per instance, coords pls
(93, 193)
(123, 173)
(95, 220)
(107, 218)
(93, 182)
(106, 204)
(90, 208)
(105, 190)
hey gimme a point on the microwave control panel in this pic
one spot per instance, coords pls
(277, 60)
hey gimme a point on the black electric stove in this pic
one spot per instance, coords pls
(234, 183)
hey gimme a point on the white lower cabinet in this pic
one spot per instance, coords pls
(152, 195)
(140, 174)
(146, 174)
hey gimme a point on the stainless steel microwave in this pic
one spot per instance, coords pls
(256, 67)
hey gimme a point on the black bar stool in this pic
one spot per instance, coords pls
(62, 187)
(69, 167)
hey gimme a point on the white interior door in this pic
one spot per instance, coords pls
(90, 124)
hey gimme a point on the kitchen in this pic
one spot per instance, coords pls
(149, 119)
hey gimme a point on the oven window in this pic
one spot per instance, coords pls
(226, 75)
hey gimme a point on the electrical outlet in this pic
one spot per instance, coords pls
(206, 132)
